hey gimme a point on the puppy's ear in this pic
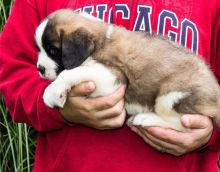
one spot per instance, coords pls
(79, 46)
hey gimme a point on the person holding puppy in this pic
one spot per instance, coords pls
(90, 134)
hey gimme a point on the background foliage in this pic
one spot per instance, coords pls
(17, 141)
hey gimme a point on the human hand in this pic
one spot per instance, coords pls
(175, 142)
(101, 113)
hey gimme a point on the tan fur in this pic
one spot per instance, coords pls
(151, 65)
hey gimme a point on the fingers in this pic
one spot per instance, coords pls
(82, 89)
(146, 139)
(110, 118)
(111, 112)
(159, 144)
(160, 147)
(178, 142)
(200, 125)
(114, 122)
(175, 142)
(166, 134)
(101, 112)
(106, 102)
(99, 103)
(195, 121)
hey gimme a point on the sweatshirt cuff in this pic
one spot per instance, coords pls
(49, 118)
(56, 115)
(71, 124)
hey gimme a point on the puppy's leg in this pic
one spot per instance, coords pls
(164, 116)
(152, 119)
(164, 107)
(147, 119)
(55, 94)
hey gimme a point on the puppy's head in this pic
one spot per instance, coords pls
(65, 39)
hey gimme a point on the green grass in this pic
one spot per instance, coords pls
(17, 141)
(17, 144)
(5, 7)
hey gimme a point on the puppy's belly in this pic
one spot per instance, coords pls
(103, 89)
(136, 108)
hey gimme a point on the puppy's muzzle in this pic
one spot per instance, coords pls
(41, 69)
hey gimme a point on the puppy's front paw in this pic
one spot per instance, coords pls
(55, 95)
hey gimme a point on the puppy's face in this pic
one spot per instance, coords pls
(65, 41)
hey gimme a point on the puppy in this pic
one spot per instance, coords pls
(164, 80)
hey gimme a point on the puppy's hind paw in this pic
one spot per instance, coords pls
(130, 121)
(138, 119)
(145, 120)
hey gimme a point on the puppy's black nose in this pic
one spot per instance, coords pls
(41, 69)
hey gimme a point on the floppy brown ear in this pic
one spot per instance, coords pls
(78, 47)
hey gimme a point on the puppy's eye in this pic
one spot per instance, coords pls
(53, 51)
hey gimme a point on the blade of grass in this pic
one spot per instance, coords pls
(27, 147)
(2, 8)
(20, 147)
(3, 111)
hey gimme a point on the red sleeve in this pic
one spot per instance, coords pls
(20, 84)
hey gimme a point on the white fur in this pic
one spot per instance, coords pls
(39, 32)
(152, 119)
(49, 64)
(164, 104)
(165, 115)
(43, 59)
(105, 81)
(109, 31)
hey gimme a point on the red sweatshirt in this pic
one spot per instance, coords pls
(62, 147)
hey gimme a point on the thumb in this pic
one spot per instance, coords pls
(83, 89)
(194, 121)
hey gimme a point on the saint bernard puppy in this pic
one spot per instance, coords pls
(164, 80)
